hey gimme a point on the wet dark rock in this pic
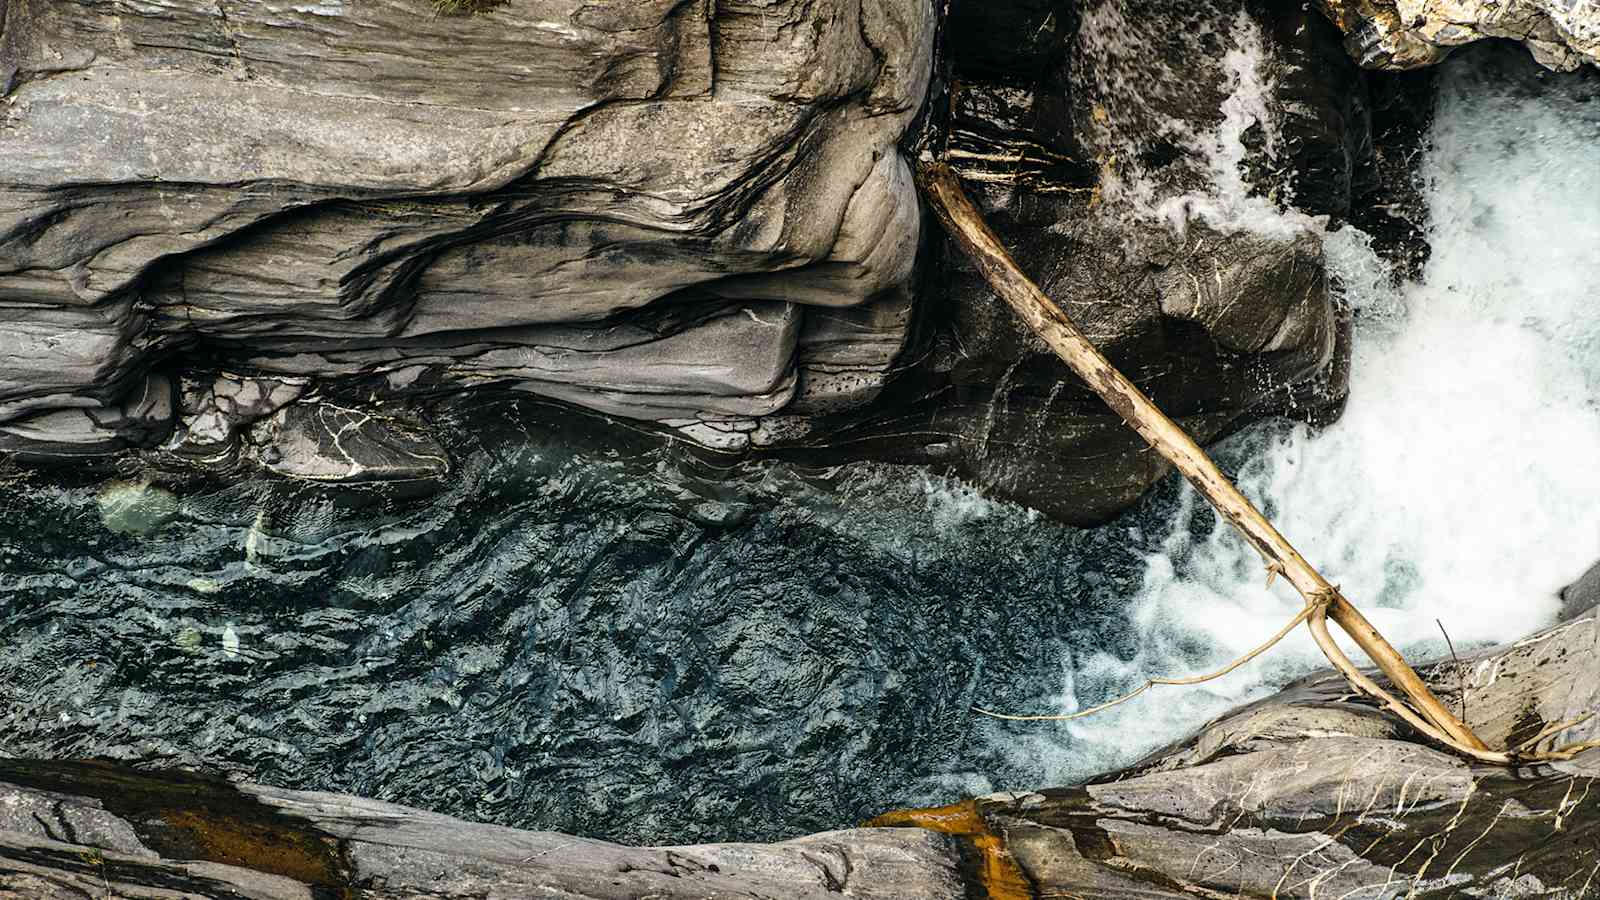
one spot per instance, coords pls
(1388, 203)
(1313, 790)
(1581, 594)
(1096, 146)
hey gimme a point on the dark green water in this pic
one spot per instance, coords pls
(587, 634)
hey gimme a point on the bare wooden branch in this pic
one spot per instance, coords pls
(967, 226)
(1266, 645)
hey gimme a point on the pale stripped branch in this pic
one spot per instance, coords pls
(1283, 632)
(1323, 601)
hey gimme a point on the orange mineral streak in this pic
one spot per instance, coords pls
(998, 872)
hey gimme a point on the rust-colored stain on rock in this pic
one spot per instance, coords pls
(996, 870)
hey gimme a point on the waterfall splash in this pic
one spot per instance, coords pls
(1459, 488)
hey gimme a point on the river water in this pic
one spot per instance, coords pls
(591, 631)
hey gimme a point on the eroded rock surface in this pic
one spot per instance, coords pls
(1315, 793)
(367, 191)
(1406, 34)
(686, 213)
(1310, 793)
(74, 830)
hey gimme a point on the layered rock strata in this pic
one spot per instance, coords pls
(652, 209)
(1310, 793)
(1406, 34)
(689, 214)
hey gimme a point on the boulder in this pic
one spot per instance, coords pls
(1581, 594)
(1406, 34)
(1158, 169)
(1312, 792)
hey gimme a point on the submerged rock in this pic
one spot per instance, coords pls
(1313, 792)
(325, 441)
(136, 507)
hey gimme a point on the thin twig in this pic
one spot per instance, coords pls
(1461, 676)
(1567, 752)
(1197, 679)
(1550, 730)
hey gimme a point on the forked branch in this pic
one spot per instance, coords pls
(1323, 601)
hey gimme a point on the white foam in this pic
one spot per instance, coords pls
(1462, 483)
(1226, 203)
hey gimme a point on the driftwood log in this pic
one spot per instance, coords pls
(1314, 792)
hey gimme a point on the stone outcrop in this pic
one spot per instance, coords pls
(1314, 793)
(71, 830)
(686, 213)
(652, 209)
(1310, 793)
(1152, 166)
(1406, 34)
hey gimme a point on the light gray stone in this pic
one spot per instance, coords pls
(224, 840)
(1405, 34)
(1314, 792)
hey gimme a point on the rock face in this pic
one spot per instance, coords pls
(74, 830)
(1406, 34)
(632, 207)
(1310, 793)
(687, 213)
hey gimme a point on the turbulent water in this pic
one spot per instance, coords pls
(589, 631)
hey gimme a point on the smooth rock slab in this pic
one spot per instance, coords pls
(71, 829)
